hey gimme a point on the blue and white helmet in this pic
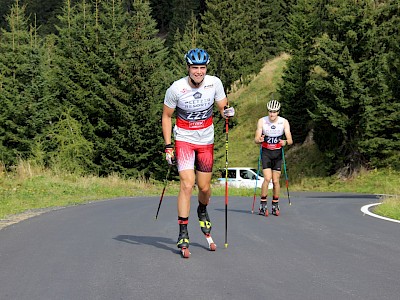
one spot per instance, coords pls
(197, 57)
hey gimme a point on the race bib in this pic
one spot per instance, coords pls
(271, 140)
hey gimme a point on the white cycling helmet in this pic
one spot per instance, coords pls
(273, 105)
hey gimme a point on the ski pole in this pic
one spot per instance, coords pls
(163, 191)
(286, 175)
(255, 188)
(226, 181)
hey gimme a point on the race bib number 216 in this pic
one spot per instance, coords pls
(272, 140)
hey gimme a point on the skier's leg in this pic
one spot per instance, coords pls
(267, 172)
(204, 219)
(187, 179)
(275, 180)
(275, 198)
(203, 181)
(263, 210)
(183, 239)
(204, 165)
(275, 206)
(185, 157)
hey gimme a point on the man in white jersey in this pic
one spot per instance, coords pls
(269, 133)
(193, 98)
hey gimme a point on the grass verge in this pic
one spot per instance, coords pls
(389, 208)
(28, 189)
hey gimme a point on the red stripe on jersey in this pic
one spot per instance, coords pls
(194, 125)
(271, 146)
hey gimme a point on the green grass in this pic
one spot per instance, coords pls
(389, 208)
(375, 181)
(27, 189)
(44, 190)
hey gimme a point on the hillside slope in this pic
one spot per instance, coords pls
(250, 105)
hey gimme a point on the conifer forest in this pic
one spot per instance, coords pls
(82, 82)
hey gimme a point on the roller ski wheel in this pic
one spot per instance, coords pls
(275, 210)
(211, 245)
(263, 212)
(185, 252)
(183, 244)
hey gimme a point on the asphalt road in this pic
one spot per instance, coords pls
(321, 247)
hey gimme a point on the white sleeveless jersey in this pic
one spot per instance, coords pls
(194, 109)
(273, 132)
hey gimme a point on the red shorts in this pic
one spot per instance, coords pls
(190, 155)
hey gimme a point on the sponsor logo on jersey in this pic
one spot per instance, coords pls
(197, 95)
(209, 86)
(273, 127)
(196, 124)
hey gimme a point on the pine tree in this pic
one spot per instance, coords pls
(145, 61)
(73, 152)
(5, 7)
(41, 12)
(48, 110)
(274, 18)
(381, 116)
(339, 86)
(181, 13)
(302, 30)
(19, 78)
(233, 38)
(161, 11)
(113, 77)
(189, 39)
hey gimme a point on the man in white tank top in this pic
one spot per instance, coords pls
(193, 98)
(269, 133)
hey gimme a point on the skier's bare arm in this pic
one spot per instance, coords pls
(259, 137)
(288, 134)
(167, 124)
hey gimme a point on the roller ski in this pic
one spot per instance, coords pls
(263, 210)
(205, 225)
(275, 208)
(183, 244)
(183, 239)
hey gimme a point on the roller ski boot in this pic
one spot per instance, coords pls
(183, 244)
(275, 208)
(263, 210)
(205, 225)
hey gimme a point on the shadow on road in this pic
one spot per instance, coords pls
(346, 196)
(156, 241)
(242, 211)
